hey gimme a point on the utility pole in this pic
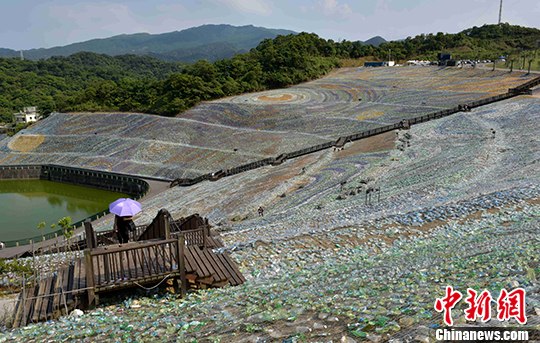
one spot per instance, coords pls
(500, 13)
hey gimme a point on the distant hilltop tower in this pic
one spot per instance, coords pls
(500, 12)
(22, 56)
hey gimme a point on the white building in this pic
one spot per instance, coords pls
(27, 115)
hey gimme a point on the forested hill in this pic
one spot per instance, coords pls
(486, 42)
(211, 42)
(92, 82)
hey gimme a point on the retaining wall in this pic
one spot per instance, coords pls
(127, 184)
(120, 183)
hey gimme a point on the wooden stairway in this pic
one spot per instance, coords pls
(119, 266)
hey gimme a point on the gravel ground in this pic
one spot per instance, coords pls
(317, 289)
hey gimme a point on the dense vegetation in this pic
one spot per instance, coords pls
(486, 42)
(92, 82)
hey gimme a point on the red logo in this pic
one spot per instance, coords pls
(447, 303)
(479, 306)
(512, 305)
(509, 305)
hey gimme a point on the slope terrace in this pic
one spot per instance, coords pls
(225, 133)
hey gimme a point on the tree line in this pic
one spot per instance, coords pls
(93, 82)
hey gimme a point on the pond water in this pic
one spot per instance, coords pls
(26, 203)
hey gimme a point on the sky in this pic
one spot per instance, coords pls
(26, 24)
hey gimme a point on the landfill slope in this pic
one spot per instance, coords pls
(459, 205)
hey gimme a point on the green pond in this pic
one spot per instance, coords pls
(26, 203)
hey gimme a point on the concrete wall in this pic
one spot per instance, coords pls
(20, 172)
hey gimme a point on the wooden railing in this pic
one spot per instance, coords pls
(194, 237)
(158, 228)
(123, 265)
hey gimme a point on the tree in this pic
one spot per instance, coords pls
(67, 229)
(41, 226)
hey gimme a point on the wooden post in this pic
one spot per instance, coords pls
(165, 225)
(89, 268)
(181, 264)
(91, 239)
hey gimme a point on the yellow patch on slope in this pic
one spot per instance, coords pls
(26, 143)
(369, 115)
(282, 97)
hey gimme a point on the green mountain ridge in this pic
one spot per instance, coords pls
(211, 42)
(375, 41)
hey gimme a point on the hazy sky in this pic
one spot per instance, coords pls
(28, 24)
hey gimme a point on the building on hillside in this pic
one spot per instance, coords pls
(380, 64)
(27, 115)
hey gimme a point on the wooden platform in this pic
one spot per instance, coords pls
(124, 266)
(189, 254)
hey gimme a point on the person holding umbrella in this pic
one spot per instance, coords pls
(124, 210)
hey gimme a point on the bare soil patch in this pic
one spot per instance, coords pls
(26, 143)
(283, 97)
(369, 115)
(382, 142)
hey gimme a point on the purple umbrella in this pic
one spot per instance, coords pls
(125, 207)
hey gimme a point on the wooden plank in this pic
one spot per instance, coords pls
(237, 276)
(90, 281)
(191, 277)
(207, 280)
(46, 295)
(214, 242)
(39, 300)
(136, 264)
(181, 261)
(58, 299)
(131, 245)
(201, 269)
(50, 300)
(191, 265)
(145, 262)
(231, 273)
(29, 305)
(215, 265)
(82, 279)
(222, 265)
(115, 268)
(233, 267)
(201, 262)
(70, 280)
(106, 268)
(18, 310)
